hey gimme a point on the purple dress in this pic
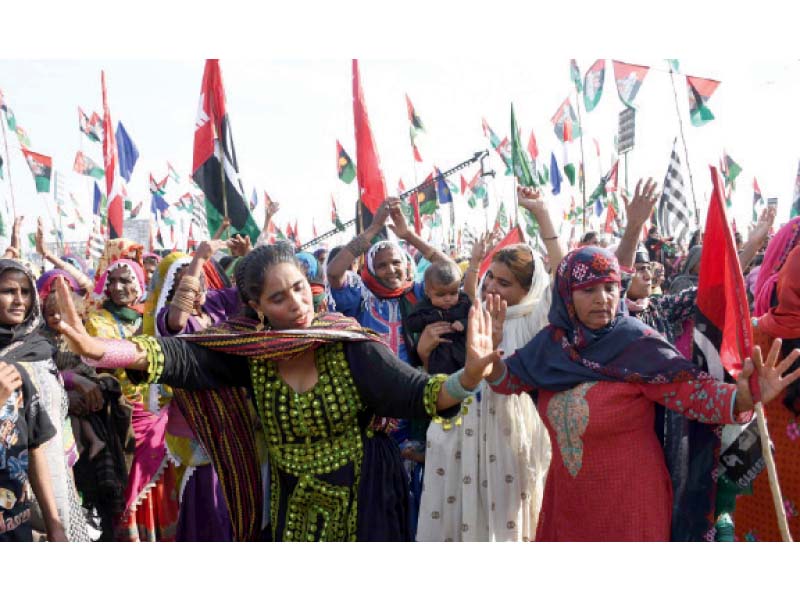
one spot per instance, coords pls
(203, 513)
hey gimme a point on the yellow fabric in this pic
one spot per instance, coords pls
(155, 288)
(102, 323)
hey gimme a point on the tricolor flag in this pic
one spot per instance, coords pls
(92, 127)
(337, 222)
(565, 123)
(415, 128)
(173, 174)
(502, 147)
(113, 189)
(629, 79)
(344, 164)
(41, 166)
(213, 152)
(136, 209)
(127, 152)
(86, 166)
(22, 136)
(758, 199)
(501, 220)
(700, 91)
(575, 75)
(520, 165)
(593, 84)
(158, 187)
(371, 186)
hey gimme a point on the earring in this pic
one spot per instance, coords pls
(260, 326)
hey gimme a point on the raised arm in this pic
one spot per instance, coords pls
(13, 250)
(271, 208)
(638, 211)
(758, 235)
(401, 230)
(355, 248)
(530, 199)
(480, 249)
(181, 307)
(226, 222)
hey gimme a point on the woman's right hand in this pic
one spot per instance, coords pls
(69, 324)
(480, 353)
(10, 380)
(497, 311)
(431, 337)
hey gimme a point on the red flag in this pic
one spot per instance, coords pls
(567, 131)
(463, 185)
(314, 228)
(371, 186)
(611, 216)
(613, 178)
(722, 322)
(296, 235)
(401, 186)
(533, 149)
(115, 202)
(512, 237)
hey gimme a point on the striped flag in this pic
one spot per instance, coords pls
(673, 210)
(199, 219)
(113, 190)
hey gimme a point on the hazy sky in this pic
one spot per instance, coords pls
(287, 114)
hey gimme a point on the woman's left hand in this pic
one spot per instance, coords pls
(771, 381)
(530, 198)
(497, 310)
(480, 347)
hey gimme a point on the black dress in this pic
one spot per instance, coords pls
(330, 478)
(445, 358)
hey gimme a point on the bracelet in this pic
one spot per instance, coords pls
(431, 396)
(118, 354)
(190, 282)
(155, 356)
(473, 269)
(547, 239)
(357, 246)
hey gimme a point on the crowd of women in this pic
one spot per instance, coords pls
(384, 391)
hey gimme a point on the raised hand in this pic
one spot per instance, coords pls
(771, 380)
(481, 248)
(641, 207)
(400, 227)
(39, 238)
(480, 347)
(69, 324)
(530, 198)
(497, 308)
(764, 224)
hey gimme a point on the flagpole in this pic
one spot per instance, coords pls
(685, 147)
(8, 161)
(582, 167)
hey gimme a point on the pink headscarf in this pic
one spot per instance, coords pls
(778, 249)
(132, 267)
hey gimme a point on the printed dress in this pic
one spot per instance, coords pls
(608, 480)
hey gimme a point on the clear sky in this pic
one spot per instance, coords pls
(286, 115)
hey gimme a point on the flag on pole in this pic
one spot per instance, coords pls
(555, 175)
(443, 192)
(520, 165)
(416, 127)
(629, 80)
(501, 220)
(86, 166)
(593, 84)
(700, 91)
(565, 123)
(758, 199)
(22, 136)
(113, 190)
(673, 210)
(127, 152)
(213, 152)
(533, 149)
(575, 75)
(41, 166)
(91, 127)
(502, 147)
(335, 220)
(371, 186)
(158, 187)
(173, 174)
(344, 164)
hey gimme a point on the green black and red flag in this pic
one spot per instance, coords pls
(344, 164)
(41, 167)
(213, 152)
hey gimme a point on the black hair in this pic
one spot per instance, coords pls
(442, 273)
(588, 236)
(251, 271)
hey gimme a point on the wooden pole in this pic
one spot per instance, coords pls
(582, 167)
(685, 148)
(774, 486)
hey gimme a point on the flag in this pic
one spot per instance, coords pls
(136, 209)
(569, 166)
(213, 151)
(611, 218)
(758, 199)
(593, 84)
(513, 237)
(520, 165)
(502, 147)
(92, 127)
(127, 152)
(795, 210)
(337, 222)
(173, 174)
(253, 200)
(314, 229)
(730, 170)
(22, 136)
(115, 199)
(41, 166)
(158, 187)
(565, 123)
(673, 214)
(416, 127)
(629, 79)
(86, 166)
(533, 149)
(442, 188)
(700, 91)
(191, 244)
(501, 220)
(575, 75)
(99, 202)
(158, 206)
(555, 175)
(344, 164)
(1, 167)
(371, 187)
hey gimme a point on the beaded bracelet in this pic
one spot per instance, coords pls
(117, 354)
(430, 398)
(190, 282)
(155, 356)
